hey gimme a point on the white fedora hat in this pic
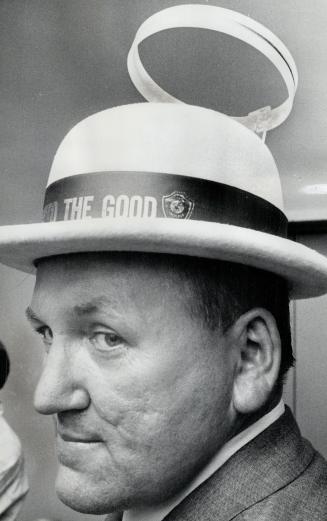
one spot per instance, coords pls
(169, 178)
(173, 178)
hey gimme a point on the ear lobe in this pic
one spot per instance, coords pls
(258, 349)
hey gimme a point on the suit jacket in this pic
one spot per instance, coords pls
(278, 476)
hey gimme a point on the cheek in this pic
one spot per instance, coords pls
(151, 402)
(161, 416)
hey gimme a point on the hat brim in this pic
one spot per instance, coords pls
(305, 269)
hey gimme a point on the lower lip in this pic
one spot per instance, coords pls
(72, 441)
(67, 448)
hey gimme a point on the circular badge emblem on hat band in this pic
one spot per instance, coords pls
(112, 195)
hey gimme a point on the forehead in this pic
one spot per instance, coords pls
(87, 279)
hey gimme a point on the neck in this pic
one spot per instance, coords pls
(245, 420)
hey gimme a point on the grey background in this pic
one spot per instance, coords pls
(62, 60)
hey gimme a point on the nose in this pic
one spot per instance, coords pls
(60, 386)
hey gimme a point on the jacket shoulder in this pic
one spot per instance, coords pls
(302, 499)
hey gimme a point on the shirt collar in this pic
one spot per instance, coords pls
(159, 512)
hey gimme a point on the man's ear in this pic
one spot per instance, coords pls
(257, 346)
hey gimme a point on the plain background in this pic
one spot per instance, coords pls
(62, 60)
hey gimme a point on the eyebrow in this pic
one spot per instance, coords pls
(94, 305)
(80, 310)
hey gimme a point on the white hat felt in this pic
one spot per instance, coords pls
(168, 178)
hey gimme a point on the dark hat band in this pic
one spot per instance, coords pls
(145, 195)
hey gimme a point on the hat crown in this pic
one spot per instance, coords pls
(96, 198)
(173, 139)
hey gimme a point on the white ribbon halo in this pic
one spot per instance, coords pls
(228, 22)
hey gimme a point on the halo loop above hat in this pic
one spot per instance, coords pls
(228, 22)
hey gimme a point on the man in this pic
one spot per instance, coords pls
(13, 480)
(163, 276)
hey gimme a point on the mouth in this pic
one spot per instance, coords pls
(72, 437)
(72, 448)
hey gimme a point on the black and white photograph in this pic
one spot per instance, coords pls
(163, 260)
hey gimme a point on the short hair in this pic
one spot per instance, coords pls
(4, 365)
(223, 291)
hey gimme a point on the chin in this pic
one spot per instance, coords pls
(84, 495)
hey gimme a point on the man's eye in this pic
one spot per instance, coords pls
(46, 334)
(105, 341)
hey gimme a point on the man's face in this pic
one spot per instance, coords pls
(140, 390)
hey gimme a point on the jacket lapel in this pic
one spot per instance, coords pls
(263, 466)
